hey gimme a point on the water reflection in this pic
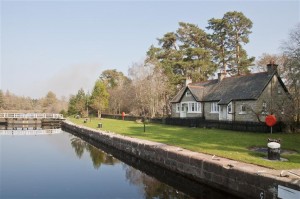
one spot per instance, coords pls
(37, 126)
(151, 187)
(30, 132)
(152, 180)
(98, 157)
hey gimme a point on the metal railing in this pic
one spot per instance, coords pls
(31, 116)
(30, 132)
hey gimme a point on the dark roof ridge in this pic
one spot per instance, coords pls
(247, 74)
(227, 78)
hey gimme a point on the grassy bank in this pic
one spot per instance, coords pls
(223, 143)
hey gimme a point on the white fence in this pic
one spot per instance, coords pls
(30, 132)
(31, 116)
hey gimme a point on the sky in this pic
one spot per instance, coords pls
(62, 46)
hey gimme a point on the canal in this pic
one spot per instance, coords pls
(58, 164)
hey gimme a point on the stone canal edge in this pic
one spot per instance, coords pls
(241, 179)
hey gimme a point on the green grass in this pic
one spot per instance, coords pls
(222, 143)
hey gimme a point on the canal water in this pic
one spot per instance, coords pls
(57, 164)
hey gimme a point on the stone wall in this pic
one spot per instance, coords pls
(207, 112)
(241, 179)
(173, 111)
(248, 115)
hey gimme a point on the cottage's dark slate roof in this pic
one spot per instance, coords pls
(248, 87)
(178, 96)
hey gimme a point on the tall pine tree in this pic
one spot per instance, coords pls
(196, 48)
(229, 34)
(238, 30)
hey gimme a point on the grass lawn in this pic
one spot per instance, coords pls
(229, 144)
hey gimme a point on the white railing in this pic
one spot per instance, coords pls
(30, 132)
(31, 116)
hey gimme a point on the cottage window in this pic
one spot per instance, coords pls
(198, 107)
(243, 109)
(264, 108)
(229, 108)
(182, 107)
(264, 105)
(194, 107)
(214, 107)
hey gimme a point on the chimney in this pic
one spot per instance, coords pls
(188, 81)
(271, 68)
(221, 76)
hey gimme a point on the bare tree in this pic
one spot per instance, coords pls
(266, 59)
(291, 49)
(150, 88)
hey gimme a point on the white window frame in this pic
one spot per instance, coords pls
(264, 108)
(182, 110)
(243, 112)
(197, 107)
(178, 107)
(192, 107)
(214, 107)
(229, 111)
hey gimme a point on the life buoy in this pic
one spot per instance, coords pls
(271, 120)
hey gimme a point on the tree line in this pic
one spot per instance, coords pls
(48, 104)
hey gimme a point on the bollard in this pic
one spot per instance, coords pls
(273, 151)
(99, 125)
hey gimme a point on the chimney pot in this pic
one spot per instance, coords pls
(188, 81)
(271, 67)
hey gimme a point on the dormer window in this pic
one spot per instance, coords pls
(188, 93)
